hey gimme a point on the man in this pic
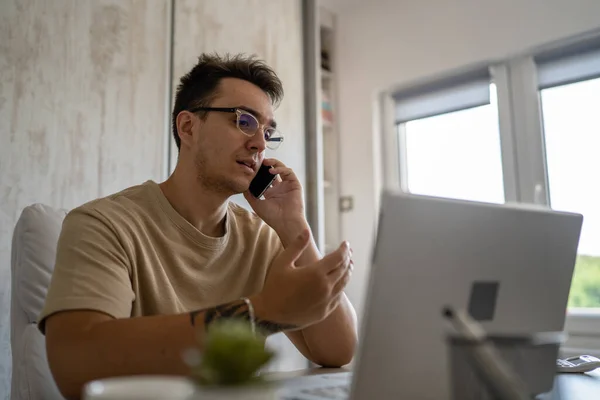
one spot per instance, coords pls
(141, 274)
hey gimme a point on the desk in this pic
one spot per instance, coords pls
(566, 386)
(575, 387)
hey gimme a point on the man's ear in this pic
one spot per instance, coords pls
(185, 123)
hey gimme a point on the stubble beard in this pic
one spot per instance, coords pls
(211, 181)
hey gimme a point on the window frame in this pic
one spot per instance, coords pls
(582, 325)
(523, 153)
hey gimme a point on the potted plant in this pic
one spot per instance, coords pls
(228, 366)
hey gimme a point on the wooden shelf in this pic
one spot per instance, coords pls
(326, 74)
(328, 185)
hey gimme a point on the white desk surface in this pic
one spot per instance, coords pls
(566, 386)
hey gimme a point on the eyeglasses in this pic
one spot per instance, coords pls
(249, 125)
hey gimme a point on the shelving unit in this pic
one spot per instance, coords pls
(327, 90)
(322, 128)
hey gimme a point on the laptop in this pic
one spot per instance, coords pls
(508, 265)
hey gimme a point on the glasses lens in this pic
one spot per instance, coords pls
(247, 124)
(274, 138)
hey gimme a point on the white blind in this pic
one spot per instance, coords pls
(447, 95)
(569, 65)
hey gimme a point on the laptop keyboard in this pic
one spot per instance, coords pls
(329, 392)
(324, 387)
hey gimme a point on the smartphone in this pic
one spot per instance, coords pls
(261, 181)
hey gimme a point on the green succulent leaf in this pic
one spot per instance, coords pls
(232, 354)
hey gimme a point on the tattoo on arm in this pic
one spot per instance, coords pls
(238, 309)
(273, 327)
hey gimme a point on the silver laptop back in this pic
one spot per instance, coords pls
(431, 252)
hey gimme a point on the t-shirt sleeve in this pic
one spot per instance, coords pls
(92, 269)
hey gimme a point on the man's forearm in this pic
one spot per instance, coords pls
(86, 345)
(114, 347)
(332, 341)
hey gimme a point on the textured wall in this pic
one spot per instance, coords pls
(273, 31)
(82, 96)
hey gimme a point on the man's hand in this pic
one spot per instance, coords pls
(303, 292)
(283, 206)
(296, 297)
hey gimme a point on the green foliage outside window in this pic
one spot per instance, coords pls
(585, 288)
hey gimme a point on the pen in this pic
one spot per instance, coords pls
(505, 383)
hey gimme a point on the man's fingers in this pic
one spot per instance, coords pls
(273, 162)
(342, 282)
(284, 172)
(280, 169)
(277, 181)
(336, 259)
(335, 275)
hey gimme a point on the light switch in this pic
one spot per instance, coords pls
(346, 203)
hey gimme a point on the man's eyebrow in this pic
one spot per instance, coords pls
(272, 123)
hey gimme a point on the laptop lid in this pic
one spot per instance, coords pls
(509, 265)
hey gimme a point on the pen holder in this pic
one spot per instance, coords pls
(531, 357)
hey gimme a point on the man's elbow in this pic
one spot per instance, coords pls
(71, 393)
(65, 359)
(71, 390)
(336, 358)
(66, 383)
(69, 346)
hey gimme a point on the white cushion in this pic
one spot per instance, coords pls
(36, 236)
(36, 381)
(32, 262)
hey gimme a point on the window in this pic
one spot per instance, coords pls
(448, 136)
(532, 136)
(456, 155)
(572, 139)
(569, 95)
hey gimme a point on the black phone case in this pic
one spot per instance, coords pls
(261, 181)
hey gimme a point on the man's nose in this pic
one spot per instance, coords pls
(257, 142)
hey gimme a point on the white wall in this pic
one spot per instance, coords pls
(385, 43)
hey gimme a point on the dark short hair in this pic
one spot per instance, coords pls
(198, 87)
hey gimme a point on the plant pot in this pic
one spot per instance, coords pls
(148, 387)
(267, 391)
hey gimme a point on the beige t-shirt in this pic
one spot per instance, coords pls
(131, 254)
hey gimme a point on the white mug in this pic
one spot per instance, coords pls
(147, 387)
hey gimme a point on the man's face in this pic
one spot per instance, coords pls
(227, 160)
